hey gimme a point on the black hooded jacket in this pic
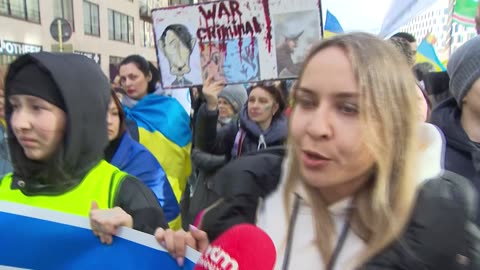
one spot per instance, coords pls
(86, 94)
(462, 156)
(239, 186)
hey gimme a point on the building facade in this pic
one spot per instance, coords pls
(435, 20)
(104, 30)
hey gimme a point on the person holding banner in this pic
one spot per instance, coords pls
(55, 106)
(163, 124)
(133, 158)
(362, 184)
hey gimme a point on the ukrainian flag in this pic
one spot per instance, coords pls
(332, 26)
(164, 129)
(426, 53)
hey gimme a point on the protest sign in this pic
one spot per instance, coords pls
(237, 41)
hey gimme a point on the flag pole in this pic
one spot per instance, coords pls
(477, 19)
(451, 8)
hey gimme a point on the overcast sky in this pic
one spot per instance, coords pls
(369, 15)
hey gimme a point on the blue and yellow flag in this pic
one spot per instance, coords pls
(426, 53)
(164, 129)
(332, 26)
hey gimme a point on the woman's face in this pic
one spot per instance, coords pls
(134, 81)
(225, 109)
(38, 125)
(326, 129)
(113, 121)
(261, 106)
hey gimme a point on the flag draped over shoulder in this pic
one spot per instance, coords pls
(426, 54)
(464, 12)
(164, 129)
(332, 26)
(134, 159)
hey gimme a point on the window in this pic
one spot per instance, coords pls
(148, 39)
(179, 2)
(120, 27)
(113, 66)
(91, 19)
(64, 9)
(23, 9)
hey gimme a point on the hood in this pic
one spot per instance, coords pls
(86, 94)
(447, 117)
(277, 131)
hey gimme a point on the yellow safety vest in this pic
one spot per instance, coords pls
(100, 185)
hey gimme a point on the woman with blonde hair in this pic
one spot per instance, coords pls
(357, 158)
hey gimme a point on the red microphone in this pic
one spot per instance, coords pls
(241, 247)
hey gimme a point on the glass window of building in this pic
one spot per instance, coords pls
(120, 27)
(91, 23)
(148, 39)
(64, 9)
(23, 9)
(179, 2)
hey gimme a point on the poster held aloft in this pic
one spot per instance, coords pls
(236, 41)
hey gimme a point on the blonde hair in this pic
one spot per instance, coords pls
(3, 74)
(387, 105)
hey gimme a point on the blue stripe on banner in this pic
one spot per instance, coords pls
(34, 243)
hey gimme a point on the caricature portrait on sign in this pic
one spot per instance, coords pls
(177, 44)
(294, 32)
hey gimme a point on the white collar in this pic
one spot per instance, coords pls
(432, 151)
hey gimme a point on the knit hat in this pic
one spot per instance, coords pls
(236, 95)
(464, 69)
(34, 81)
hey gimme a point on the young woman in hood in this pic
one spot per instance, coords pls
(54, 106)
(261, 124)
(133, 158)
(347, 198)
(163, 125)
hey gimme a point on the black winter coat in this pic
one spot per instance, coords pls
(462, 156)
(239, 185)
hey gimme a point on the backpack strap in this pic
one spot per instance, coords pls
(238, 143)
